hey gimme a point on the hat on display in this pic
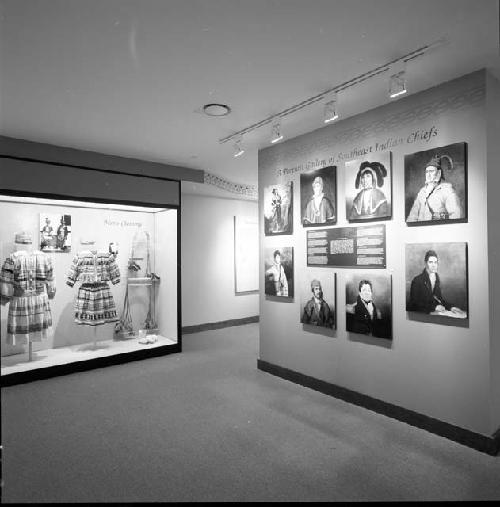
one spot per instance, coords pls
(376, 169)
(23, 238)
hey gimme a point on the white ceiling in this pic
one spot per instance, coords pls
(128, 77)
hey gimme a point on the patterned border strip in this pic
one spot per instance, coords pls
(436, 108)
(235, 188)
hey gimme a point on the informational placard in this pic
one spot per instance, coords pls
(246, 254)
(349, 247)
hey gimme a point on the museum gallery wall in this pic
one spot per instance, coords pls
(210, 286)
(383, 246)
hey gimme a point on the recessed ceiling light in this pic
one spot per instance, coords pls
(216, 109)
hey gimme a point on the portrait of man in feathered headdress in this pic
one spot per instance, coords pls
(442, 195)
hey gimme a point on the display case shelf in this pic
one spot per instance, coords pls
(142, 281)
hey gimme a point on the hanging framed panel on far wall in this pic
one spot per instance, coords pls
(278, 209)
(278, 274)
(368, 188)
(246, 254)
(353, 247)
(318, 197)
(436, 185)
(437, 281)
(318, 303)
(368, 298)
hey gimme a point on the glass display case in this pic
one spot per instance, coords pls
(84, 284)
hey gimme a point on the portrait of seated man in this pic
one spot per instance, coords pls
(425, 291)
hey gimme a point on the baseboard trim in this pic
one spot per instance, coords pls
(219, 325)
(57, 370)
(482, 443)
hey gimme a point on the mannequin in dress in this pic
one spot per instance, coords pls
(27, 283)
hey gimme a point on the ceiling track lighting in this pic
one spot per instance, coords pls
(330, 113)
(238, 150)
(276, 133)
(397, 84)
(343, 86)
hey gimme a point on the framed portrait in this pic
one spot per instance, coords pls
(368, 188)
(278, 209)
(318, 197)
(437, 281)
(368, 298)
(55, 232)
(278, 271)
(318, 302)
(436, 185)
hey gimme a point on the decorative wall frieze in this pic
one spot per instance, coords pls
(249, 191)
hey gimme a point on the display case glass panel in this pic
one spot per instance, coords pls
(85, 280)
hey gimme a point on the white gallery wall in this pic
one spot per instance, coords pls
(493, 144)
(208, 283)
(443, 371)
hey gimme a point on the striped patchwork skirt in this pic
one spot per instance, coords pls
(29, 319)
(94, 304)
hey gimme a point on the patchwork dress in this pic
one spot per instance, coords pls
(94, 304)
(27, 282)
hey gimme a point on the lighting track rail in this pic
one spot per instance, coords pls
(343, 86)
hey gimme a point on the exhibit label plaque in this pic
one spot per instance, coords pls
(352, 247)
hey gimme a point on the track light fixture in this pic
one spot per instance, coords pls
(330, 113)
(398, 81)
(276, 135)
(397, 84)
(238, 150)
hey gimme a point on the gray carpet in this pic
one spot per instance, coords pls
(206, 425)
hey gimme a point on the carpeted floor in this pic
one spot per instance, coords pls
(206, 425)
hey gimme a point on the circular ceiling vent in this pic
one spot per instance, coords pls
(216, 109)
